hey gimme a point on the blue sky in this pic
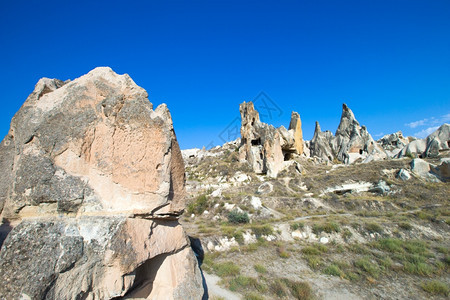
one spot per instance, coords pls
(388, 60)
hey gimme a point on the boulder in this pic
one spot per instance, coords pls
(94, 178)
(422, 169)
(443, 170)
(403, 175)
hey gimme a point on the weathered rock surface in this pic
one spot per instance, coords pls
(393, 143)
(265, 147)
(350, 143)
(432, 146)
(320, 144)
(95, 178)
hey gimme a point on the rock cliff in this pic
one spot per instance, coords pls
(92, 185)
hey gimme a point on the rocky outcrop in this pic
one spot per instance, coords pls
(353, 141)
(94, 178)
(393, 143)
(432, 146)
(350, 143)
(265, 147)
(320, 144)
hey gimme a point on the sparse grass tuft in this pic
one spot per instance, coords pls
(435, 287)
(368, 266)
(260, 269)
(226, 269)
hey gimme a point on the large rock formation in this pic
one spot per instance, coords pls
(265, 147)
(432, 146)
(393, 143)
(350, 143)
(92, 184)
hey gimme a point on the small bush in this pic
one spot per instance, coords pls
(346, 234)
(390, 245)
(260, 230)
(435, 287)
(405, 225)
(297, 226)
(300, 290)
(237, 217)
(333, 270)
(328, 227)
(198, 206)
(374, 227)
(260, 269)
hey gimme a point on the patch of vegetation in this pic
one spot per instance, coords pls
(328, 227)
(237, 217)
(366, 265)
(278, 288)
(299, 290)
(373, 227)
(260, 230)
(282, 252)
(226, 269)
(405, 225)
(198, 206)
(252, 296)
(435, 287)
(333, 270)
(242, 283)
(260, 269)
(297, 226)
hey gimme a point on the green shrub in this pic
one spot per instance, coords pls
(328, 227)
(237, 217)
(260, 230)
(435, 287)
(374, 227)
(297, 226)
(390, 244)
(405, 225)
(333, 270)
(198, 206)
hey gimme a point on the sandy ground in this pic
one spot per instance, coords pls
(215, 290)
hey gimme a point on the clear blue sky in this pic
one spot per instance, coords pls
(388, 60)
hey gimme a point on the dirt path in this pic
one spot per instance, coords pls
(215, 290)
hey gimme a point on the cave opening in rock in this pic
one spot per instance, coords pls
(256, 142)
(145, 275)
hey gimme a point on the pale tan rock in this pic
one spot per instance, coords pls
(296, 126)
(94, 178)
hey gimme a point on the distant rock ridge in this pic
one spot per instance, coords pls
(92, 185)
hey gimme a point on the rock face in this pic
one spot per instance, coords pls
(265, 147)
(94, 178)
(351, 141)
(320, 144)
(432, 146)
(393, 143)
